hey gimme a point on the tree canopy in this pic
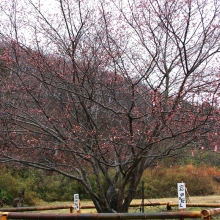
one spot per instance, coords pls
(108, 88)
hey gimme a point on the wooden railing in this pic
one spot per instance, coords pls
(37, 208)
(167, 204)
(204, 214)
(100, 216)
(19, 213)
(70, 206)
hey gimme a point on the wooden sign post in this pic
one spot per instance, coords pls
(76, 203)
(181, 196)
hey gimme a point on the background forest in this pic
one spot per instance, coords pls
(201, 175)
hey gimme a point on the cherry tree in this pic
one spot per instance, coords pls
(108, 88)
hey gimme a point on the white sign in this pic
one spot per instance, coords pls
(181, 195)
(76, 202)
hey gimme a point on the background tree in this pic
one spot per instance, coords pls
(108, 89)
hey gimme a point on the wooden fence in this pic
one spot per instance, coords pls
(204, 214)
(18, 213)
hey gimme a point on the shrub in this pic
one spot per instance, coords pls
(9, 186)
(162, 182)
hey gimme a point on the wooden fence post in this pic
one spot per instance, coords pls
(71, 209)
(168, 206)
(79, 211)
(3, 215)
(206, 214)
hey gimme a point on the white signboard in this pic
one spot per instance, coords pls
(181, 195)
(76, 202)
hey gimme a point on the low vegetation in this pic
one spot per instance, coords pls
(159, 182)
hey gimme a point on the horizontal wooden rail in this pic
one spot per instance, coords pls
(131, 205)
(100, 216)
(70, 206)
(206, 214)
(37, 208)
(211, 205)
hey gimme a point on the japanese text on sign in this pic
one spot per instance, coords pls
(76, 202)
(181, 195)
